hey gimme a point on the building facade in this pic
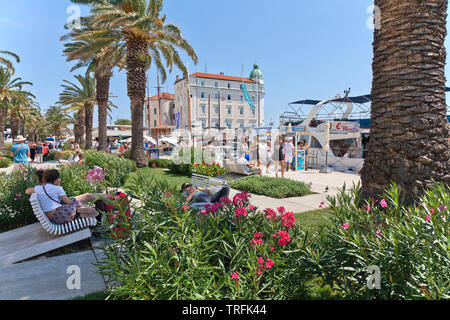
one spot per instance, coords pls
(217, 100)
(159, 114)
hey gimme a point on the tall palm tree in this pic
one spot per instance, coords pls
(20, 108)
(81, 95)
(101, 61)
(6, 62)
(9, 89)
(57, 119)
(138, 27)
(409, 142)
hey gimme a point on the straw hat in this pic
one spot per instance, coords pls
(20, 138)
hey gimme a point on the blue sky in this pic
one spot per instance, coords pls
(305, 49)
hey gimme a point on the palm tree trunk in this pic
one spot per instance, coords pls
(136, 84)
(3, 112)
(102, 102)
(14, 126)
(79, 127)
(89, 118)
(409, 129)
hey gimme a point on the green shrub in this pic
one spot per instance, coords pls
(15, 207)
(178, 253)
(160, 163)
(409, 245)
(181, 169)
(272, 187)
(74, 180)
(116, 168)
(5, 162)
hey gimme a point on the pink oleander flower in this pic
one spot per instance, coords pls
(258, 235)
(288, 220)
(240, 212)
(281, 210)
(271, 249)
(260, 261)
(215, 207)
(251, 207)
(225, 200)
(203, 212)
(321, 205)
(441, 207)
(272, 215)
(383, 203)
(368, 208)
(235, 276)
(432, 211)
(378, 232)
(284, 237)
(254, 242)
(185, 208)
(345, 226)
(269, 264)
(427, 218)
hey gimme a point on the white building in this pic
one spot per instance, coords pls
(218, 98)
(159, 111)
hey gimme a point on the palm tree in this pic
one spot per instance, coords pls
(7, 63)
(9, 89)
(101, 61)
(57, 119)
(138, 27)
(409, 141)
(84, 96)
(20, 108)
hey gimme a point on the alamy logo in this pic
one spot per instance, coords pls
(374, 22)
(374, 279)
(74, 21)
(74, 280)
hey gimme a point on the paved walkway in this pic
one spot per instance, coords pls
(53, 278)
(323, 184)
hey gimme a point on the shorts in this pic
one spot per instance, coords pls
(66, 213)
(288, 158)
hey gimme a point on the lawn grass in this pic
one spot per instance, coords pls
(159, 174)
(278, 188)
(313, 220)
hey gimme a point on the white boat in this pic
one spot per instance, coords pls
(336, 143)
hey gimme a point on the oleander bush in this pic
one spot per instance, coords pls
(272, 187)
(116, 168)
(229, 250)
(74, 180)
(15, 208)
(409, 245)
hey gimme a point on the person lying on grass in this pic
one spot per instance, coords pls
(201, 197)
(57, 206)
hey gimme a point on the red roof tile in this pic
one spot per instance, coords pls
(221, 77)
(163, 96)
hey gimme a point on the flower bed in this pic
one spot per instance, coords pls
(229, 250)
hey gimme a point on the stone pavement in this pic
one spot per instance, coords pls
(51, 278)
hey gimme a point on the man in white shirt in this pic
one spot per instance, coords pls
(288, 153)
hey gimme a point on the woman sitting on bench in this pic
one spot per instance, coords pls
(55, 203)
(201, 197)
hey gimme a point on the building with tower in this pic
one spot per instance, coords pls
(207, 100)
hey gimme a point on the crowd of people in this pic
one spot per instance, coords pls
(254, 155)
